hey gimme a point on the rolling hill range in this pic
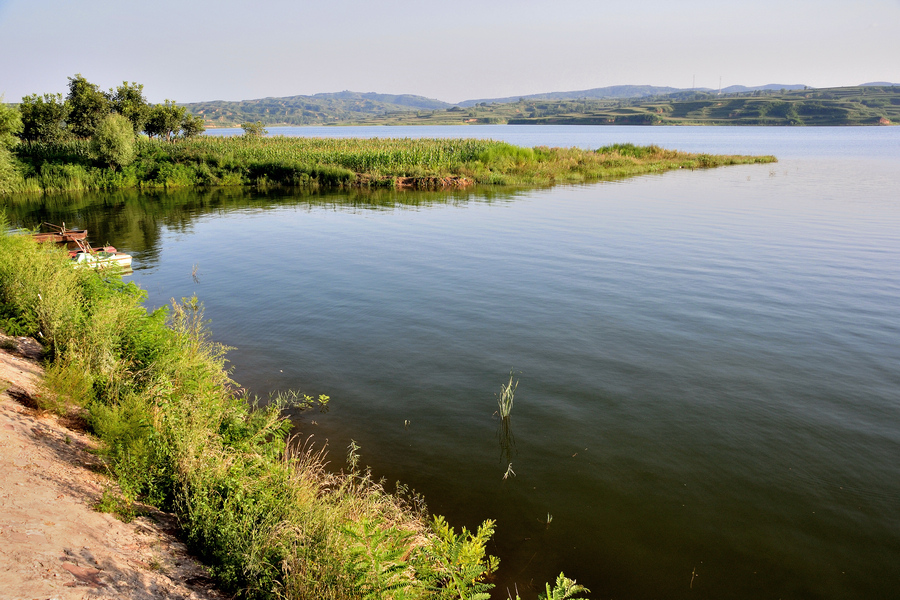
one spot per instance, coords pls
(318, 109)
(774, 104)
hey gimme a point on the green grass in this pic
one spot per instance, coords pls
(315, 163)
(257, 505)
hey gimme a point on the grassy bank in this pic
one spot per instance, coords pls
(338, 163)
(258, 506)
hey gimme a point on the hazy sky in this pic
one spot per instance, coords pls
(192, 50)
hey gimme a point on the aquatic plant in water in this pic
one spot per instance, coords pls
(507, 393)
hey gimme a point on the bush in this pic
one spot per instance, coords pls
(113, 142)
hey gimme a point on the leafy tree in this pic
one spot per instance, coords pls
(113, 142)
(192, 125)
(88, 106)
(128, 100)
(10, 124)
(165, 120)
(9, 172)
(44, 118)
(254, 130)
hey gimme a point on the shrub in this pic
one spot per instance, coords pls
(113, 142)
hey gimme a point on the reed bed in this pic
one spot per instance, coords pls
(341, 163)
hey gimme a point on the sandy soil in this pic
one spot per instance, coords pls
(53, 544)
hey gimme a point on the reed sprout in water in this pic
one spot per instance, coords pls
(507, 393)
(504, 433)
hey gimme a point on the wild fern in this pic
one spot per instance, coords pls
(377, 562)
(457, 565)
(565, 589)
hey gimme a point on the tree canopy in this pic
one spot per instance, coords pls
(87, 106)
(254, 130)
(10, 124)
(168, 121)
(44, 118)
(113, 141)
(128, 100)
(50, 118)
(192, 125)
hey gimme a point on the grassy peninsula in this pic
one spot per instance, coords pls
(336, 163)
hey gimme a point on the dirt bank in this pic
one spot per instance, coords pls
(53, 544)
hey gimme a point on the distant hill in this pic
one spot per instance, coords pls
(609, 92)
(871, 105)
(624, 92)
(772, 104)
(774, 87)
(878, 84)
(318, 109)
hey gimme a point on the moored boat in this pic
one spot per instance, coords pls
(58, 234)
(61, 237)
(98, 258)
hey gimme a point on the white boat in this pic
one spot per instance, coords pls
(98, 258)
(101, 259)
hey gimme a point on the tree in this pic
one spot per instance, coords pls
(128, 100)
(113, 141)
(87, 106)
(9, 172)
(44, 118)
(192, 126)
(10, 124)
(165, 120)
(254, 130)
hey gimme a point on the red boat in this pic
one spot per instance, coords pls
(61, 235)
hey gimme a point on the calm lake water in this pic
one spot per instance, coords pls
(708, 362)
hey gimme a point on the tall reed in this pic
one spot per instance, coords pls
(507, 394)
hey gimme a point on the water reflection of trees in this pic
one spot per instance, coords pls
(133, 220)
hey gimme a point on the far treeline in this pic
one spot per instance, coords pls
(863, 105)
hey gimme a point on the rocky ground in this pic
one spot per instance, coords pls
(53, 543)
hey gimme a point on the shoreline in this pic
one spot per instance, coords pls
(53, 541)
(256, 505)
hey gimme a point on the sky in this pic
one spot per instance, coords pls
(197, 50)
